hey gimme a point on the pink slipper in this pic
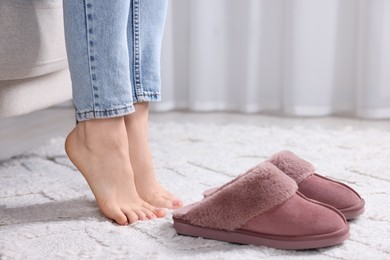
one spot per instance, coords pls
(263, 208)
(317, 187)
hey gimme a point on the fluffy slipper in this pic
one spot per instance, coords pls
(263, 208)
(317, 187)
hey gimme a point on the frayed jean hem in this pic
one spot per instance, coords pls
(106, 113)
(147, 97)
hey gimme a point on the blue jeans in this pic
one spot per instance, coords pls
(113, 50)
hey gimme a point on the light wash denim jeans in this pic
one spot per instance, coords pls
(113, 52)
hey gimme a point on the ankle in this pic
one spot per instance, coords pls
(139, 118)
(95, 133)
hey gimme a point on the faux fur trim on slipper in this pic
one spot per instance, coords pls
(292, 165)
(232, 206)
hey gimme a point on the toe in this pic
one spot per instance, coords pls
(160, 213)
(141, 215)
(170, 203)
(149, 214)
(118, 216)
(177, 203)
(163, 202)
(131, 216)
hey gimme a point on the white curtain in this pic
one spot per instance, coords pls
(295, 57)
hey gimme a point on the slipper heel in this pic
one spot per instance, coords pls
(317, 187)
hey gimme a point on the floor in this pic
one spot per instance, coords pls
(19, 134)
(48, 212)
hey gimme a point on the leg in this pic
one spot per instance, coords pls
(96, 40)
(141, 159)
(145, 30)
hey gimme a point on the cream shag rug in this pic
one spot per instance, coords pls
(48, 212)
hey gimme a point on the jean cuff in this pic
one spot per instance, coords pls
(147, 97)
(104, 113)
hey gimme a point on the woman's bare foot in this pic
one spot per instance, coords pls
(148, 187)
(99, 149)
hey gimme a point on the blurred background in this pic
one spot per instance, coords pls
(241, 80)
(295, 57)
(280, 58)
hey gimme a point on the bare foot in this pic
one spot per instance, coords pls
(99, 149)
(141, 159)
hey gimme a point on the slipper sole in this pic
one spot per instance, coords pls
(354, 211)
(241, 236)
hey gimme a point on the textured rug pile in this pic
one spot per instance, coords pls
(48, 212)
